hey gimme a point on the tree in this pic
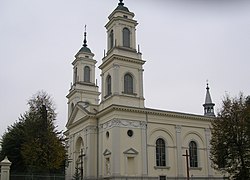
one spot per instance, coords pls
(77, 175)
(230, 142)
(33, 142)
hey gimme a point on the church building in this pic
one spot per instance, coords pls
(110, 132)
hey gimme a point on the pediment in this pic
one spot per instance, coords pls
(131, 151)
(106, 152)
(77, 114)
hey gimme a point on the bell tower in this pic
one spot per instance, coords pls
(122, 66)
(208, 105)
(84, 88)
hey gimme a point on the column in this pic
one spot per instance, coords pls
(144, 149)
(141, 82)
(116, 155)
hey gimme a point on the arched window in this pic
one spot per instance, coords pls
(86, 74)
(108, 85)
(126, 37)
(128, 84)
(111, 39)
(160, 152)
(79, 154)
(193, 154)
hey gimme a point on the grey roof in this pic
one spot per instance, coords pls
(85, 49)
(208, 99)
(122, 7)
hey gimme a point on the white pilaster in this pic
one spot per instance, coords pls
(144, 149)
(116, 78)
(116, 158)
(179, 151)
(208, 138)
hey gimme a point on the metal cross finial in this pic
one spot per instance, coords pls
(121, 3)
(85, 34)
(207, 84)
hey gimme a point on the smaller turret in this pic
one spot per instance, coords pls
(208, 105)
(84, 89)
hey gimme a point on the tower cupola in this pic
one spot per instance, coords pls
(208, 105)
(121, 31)
(85, 49)
(121, 6)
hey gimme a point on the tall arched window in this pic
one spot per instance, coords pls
(160, 152)
(126, 37)
(79, 153)
(108, 85)
(111, 39)
(193, 154)
(86, 74)
(128, 84)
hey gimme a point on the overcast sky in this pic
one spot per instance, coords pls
(184, 43)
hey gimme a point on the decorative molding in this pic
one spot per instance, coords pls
(178, 128)
(107, 152)
(130, 151)
(123, 123)
(116, 66)
(90, 129)
(161, 167)
(157, 112)
(195, 168)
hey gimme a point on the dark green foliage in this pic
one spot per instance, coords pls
(230, 141)
(11, 145)
(33, 144)
(77, 175)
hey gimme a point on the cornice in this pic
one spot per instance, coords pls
(118, 18)
(123, 12)
(76, 90)
(157, 112)
(84, 59)
(122, 58)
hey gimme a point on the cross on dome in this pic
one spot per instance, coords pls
(85, 35)
(120, 3)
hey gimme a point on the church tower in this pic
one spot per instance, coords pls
(122, 71)
(208, 105)
(84, 88)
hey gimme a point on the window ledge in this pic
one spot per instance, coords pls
(108, 95)
(195, 168)
(162, 167)
(129, 94)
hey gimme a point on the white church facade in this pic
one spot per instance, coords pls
(112, 135)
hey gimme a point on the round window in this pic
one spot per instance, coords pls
(130, 133)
